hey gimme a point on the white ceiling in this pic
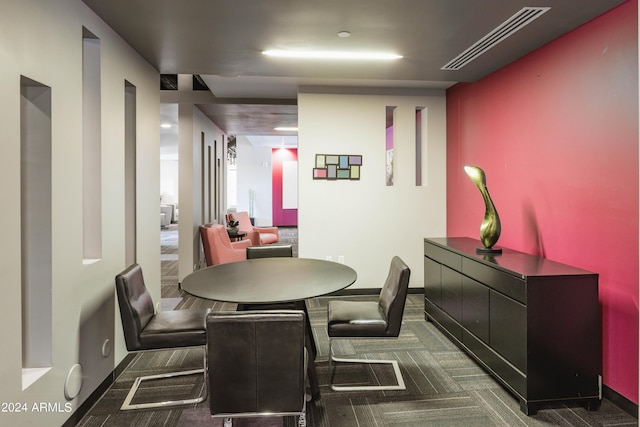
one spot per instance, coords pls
(273, 141)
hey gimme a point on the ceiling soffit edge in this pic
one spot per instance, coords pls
(365, 90)
(200, 97)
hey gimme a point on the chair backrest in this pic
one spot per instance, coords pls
(136, 304)
(244, 220)
(269, 251)
(206, 243)
(220, 236)
(217, 245)
(256, 361)
(394, 295)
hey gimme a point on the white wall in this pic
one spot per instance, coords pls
(254, 172)
(169, 180)
(169, 168)
(364, 220)
(192, 125)
(42, 40)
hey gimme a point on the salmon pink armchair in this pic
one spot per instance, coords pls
(218, 248)
(258, 235)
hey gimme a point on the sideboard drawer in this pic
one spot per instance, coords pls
(505, 283)
(443, 256)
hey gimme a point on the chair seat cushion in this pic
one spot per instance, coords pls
(268, 238)
(175, 328)
(356, 319)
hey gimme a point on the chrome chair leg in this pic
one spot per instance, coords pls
(394, 363)
(127, 405)
(302, 417)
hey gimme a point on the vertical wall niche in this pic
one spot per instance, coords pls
(217, 181)
(130, 205)
(390, 120)
(91, 149)
(203, 186)
(36, 229)
(420, 115)
(209, 179)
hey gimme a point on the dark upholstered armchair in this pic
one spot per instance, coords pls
(146, 330)
(256, 364)
(371, 319)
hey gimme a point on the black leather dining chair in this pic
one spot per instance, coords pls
(269, 251)
(274, 251)
(146, 330)
(256, 364)
(370, 319)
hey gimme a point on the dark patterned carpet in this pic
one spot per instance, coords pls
(444, 386)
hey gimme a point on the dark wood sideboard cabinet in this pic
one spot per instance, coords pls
(533, 323)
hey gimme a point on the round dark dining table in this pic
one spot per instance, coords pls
(269, 280)
(267, 283)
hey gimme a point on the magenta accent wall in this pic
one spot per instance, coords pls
(557, 135)
(281, 217)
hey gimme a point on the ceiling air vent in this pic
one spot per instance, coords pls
(523, 17)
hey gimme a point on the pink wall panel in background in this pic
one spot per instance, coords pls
(281, 217)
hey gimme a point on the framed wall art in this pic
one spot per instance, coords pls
(337, 166)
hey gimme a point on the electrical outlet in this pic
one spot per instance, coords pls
(341, 259)
(329, 258)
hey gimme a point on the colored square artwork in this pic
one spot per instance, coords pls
(344, 174)
(331, 159)
(332, 171)
(319, 173)
(355, 160)
(337, 166)
(344, 162)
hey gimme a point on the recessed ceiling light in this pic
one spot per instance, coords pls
(286, 128)
(344, 34)
(324, 54)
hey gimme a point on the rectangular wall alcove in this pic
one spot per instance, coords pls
(390, 119)
(420, 117)
(91, 149)
(130, 174)
(35, 229)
